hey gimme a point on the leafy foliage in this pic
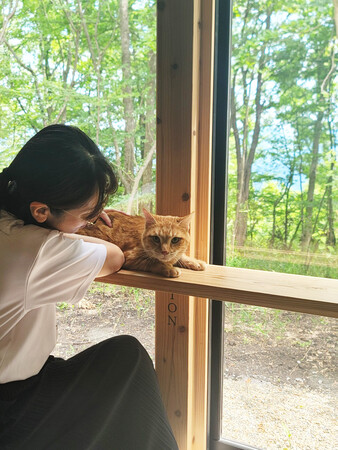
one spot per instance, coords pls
(92, 64)
(282, 144)
(61, 61)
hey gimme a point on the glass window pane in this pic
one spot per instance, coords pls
(281, 213)
(279, 366)
(279, 384)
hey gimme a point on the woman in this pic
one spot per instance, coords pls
(106, 397)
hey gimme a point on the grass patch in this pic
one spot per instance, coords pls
(287, 265)
(269, 323)
(102, 288)
(137, 299)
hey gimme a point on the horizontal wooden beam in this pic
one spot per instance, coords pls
(298, 293)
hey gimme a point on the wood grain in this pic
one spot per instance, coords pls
(173, 196)
(202, 110)
(298, 293)
(183, 157)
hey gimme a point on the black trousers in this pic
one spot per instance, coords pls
(106, 397)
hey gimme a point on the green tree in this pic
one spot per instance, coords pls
(252, 36)
(82, 62)
(304, 68)
(282, 115)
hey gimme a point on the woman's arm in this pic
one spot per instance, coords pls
(114, 259)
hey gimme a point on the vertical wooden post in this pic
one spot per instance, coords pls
(200, 248)
(184, 86)
(173, 192)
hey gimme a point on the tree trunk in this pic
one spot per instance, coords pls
(6, 19)
(335, 4)
(245, 156)
(307, 229)
(243, 175)
(129, 141)
(137, 180)
(150, 124)
(331, 238)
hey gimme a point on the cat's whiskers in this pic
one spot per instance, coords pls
(169, 258)
(160, 256)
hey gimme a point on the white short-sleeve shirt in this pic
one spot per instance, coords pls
(38, 268)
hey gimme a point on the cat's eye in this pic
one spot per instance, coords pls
(156, 239)
(175, 240)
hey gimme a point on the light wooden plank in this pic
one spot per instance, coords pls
(298, 293)
(200, 203)
(184, 110)
(198, 371)
(173, 195)
(171, 349)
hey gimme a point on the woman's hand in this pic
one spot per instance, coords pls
(104, 216)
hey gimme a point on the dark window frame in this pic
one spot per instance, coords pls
(220, 160)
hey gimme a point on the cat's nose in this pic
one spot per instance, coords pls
(165, 252)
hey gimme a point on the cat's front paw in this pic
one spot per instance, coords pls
(201, 265)
(195, 265)
(166, 270)
(173, 272)
(192, 264)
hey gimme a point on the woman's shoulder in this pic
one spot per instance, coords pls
(17, 237)
(20, 246)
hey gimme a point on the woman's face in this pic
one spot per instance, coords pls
(73, 219)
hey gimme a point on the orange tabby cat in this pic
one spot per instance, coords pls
(151, 243)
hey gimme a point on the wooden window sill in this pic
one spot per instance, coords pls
(252, 287)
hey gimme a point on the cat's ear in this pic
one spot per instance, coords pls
(186, 220)
(150, 219)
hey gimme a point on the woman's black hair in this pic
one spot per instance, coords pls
(59, 166)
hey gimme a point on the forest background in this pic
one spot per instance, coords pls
(92, 64)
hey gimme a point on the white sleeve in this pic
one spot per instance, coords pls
(63, 270)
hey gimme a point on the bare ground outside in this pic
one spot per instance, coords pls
(280, 373)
